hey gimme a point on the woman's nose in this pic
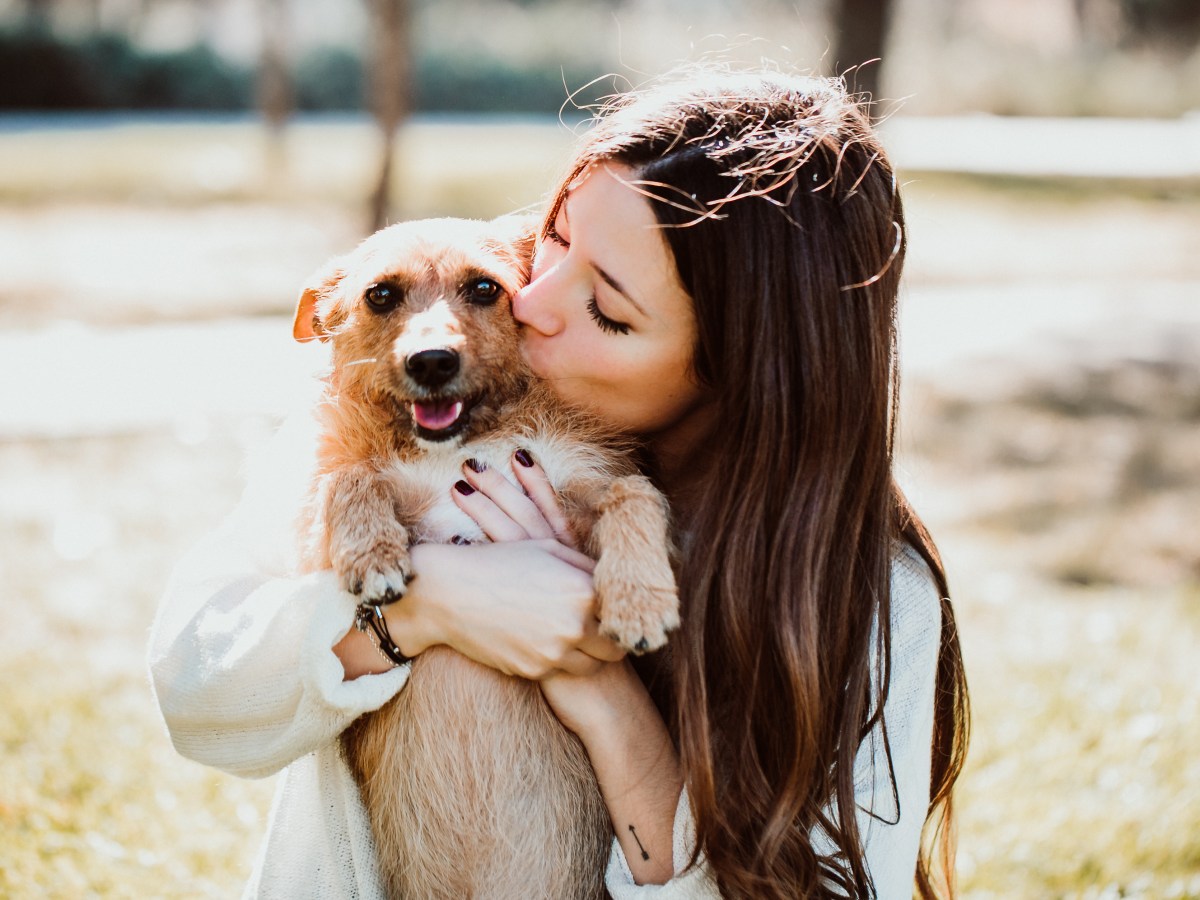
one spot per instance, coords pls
(533, 305)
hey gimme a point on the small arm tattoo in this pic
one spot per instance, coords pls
(645, 855)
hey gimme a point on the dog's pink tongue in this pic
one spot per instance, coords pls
(436, 416)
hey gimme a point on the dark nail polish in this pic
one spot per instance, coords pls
(523, 457)
(463, 488)
(475, 465)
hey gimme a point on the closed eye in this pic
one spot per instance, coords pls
(554, 237)
(612, 326)
(608, 325)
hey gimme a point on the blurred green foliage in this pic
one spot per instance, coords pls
(329, 78)
(40, 69)
(448, 82)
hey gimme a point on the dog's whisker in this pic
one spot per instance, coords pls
(361, 362)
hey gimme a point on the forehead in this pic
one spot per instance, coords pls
(611, 187)
(434, 252)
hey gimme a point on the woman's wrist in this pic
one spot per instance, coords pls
(418, 620)
(415, 622)
(608, 712)
(359, 655)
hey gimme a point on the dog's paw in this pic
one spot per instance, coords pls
(637, 616)
(378, 577)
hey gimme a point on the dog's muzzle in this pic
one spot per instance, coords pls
(438, 415)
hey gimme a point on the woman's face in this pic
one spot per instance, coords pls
(607, 322)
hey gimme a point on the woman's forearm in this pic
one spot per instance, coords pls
(638, 770)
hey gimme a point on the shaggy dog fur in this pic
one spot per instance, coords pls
(473, 787)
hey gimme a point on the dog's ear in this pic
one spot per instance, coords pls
(308, 325)
(519, 234)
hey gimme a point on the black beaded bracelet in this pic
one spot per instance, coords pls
(370, 618)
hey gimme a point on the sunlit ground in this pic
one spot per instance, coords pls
(1051, 436)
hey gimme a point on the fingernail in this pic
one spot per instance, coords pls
(475, 465)
(524, 458)
(463, 488)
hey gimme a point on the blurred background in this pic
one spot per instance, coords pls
(172, 170)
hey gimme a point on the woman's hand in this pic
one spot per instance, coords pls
(523, 604)
(524, 608)
(506, 513)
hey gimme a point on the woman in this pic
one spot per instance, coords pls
(717, 274)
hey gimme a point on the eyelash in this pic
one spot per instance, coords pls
(611, 326)
(553, 235)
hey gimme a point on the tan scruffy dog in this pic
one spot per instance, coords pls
(473, 787)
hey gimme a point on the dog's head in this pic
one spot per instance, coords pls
(420, 320)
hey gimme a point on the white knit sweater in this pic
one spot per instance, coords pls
(242, 664)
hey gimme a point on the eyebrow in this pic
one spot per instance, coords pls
(608, 279)
(616, 286)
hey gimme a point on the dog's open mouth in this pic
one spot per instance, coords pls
(441, 418)
(437, 415)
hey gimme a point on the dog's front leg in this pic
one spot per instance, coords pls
(368, 546)
(635, 586)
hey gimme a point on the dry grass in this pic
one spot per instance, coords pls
(93, 799)
(1077, 572)
(1091, 476)
(1083, 773)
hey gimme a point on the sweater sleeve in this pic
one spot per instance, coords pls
(241, 652)
(890, 821)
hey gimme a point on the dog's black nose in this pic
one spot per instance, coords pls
(432, 368)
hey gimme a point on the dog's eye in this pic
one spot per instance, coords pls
(483, 291)
(383, 297)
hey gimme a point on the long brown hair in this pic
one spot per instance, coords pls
(787, 230)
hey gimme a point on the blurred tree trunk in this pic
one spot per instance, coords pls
(274, 82)
(860, 28)
(390, 76)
